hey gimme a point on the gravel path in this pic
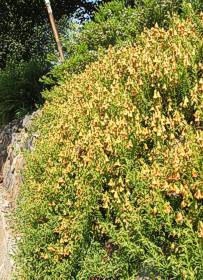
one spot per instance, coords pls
(5, 240)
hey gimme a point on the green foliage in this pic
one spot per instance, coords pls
(20, 89)
(115, 23)
(25, 28)
(113, 189)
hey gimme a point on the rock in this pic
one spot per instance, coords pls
(14, 139)
(6, 135)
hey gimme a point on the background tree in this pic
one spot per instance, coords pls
(24, 26)
(25, 40)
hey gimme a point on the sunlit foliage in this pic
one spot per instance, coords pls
(114, 23)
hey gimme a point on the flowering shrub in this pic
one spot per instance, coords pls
(113, 189)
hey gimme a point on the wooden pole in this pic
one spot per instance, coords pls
(54, 28)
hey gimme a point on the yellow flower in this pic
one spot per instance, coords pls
(200, 234)
(179, 218)
(154, 211)
(198, 195)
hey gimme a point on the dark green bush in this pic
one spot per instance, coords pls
(20, 89)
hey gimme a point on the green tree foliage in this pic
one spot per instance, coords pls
(115, 23)
(24, 28)
(25, 39)
(117, 192)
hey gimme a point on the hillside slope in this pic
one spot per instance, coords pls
(113, 189)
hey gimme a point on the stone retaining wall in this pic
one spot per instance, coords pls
(14, 139)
